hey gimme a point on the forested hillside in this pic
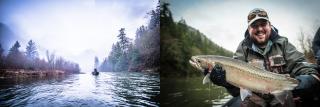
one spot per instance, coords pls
(179, 42)
(140, 54)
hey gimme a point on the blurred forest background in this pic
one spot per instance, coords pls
(179, 42)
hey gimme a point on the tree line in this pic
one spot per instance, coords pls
(179, 42)
(142, 53)
(29, 60)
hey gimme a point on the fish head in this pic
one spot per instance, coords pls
(200, 62)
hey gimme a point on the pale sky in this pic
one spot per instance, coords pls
(77, 30)
(225, 21)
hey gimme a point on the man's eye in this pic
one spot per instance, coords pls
(254, 25)
(263, 24)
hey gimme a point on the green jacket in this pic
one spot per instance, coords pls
(279, 56)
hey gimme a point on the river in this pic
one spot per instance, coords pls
(82, 90)
(190, 92)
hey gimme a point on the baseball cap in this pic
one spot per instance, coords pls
(257, 14)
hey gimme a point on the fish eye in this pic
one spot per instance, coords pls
(199, 61)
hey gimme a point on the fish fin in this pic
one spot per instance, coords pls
(206, 79)
(244, 93)
(281, 96)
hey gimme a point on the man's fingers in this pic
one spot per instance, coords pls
(209, 67)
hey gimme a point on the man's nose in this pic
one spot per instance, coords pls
(260, 28)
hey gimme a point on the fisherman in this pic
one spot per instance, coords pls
(263, 47)
(95, 72)
(316, 46)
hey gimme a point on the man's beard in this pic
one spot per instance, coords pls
(261, 43)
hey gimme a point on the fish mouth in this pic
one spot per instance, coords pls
(194, 63)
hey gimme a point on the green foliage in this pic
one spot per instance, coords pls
(142, 54)
(118, 56)
(124, 41)
(115, 53)
(179, 42)
(122, 64)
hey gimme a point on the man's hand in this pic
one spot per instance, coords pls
(207, 70)
(217, 75)
(306, 87)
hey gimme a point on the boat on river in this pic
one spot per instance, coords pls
(95, 72)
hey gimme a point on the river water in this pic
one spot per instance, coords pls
(82, 90)
(190, 92)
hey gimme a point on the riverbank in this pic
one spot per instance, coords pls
(9, 73)
(151, 70)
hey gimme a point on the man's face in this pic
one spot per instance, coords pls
(260, 32)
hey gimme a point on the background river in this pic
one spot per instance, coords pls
(190, 92)
(106, 89)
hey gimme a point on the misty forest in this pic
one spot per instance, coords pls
(80, 56)
(141, 54)
(30, 61)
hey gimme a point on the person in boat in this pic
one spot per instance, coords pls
(265, 48)
(95, 72)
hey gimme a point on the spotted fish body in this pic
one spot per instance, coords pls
(246, 76)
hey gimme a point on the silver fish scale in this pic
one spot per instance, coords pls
(252, 70)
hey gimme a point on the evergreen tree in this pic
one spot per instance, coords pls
(15, 58)
(154, 18)
(123, 41)
(122, 64)
(14, 50)
(31, 51)
(115, 55)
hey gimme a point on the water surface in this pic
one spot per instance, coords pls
(190, 92)
(85, 90)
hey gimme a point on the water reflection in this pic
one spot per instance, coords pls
(106, 89)
(190, 92)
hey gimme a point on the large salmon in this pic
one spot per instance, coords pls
(247, 77)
